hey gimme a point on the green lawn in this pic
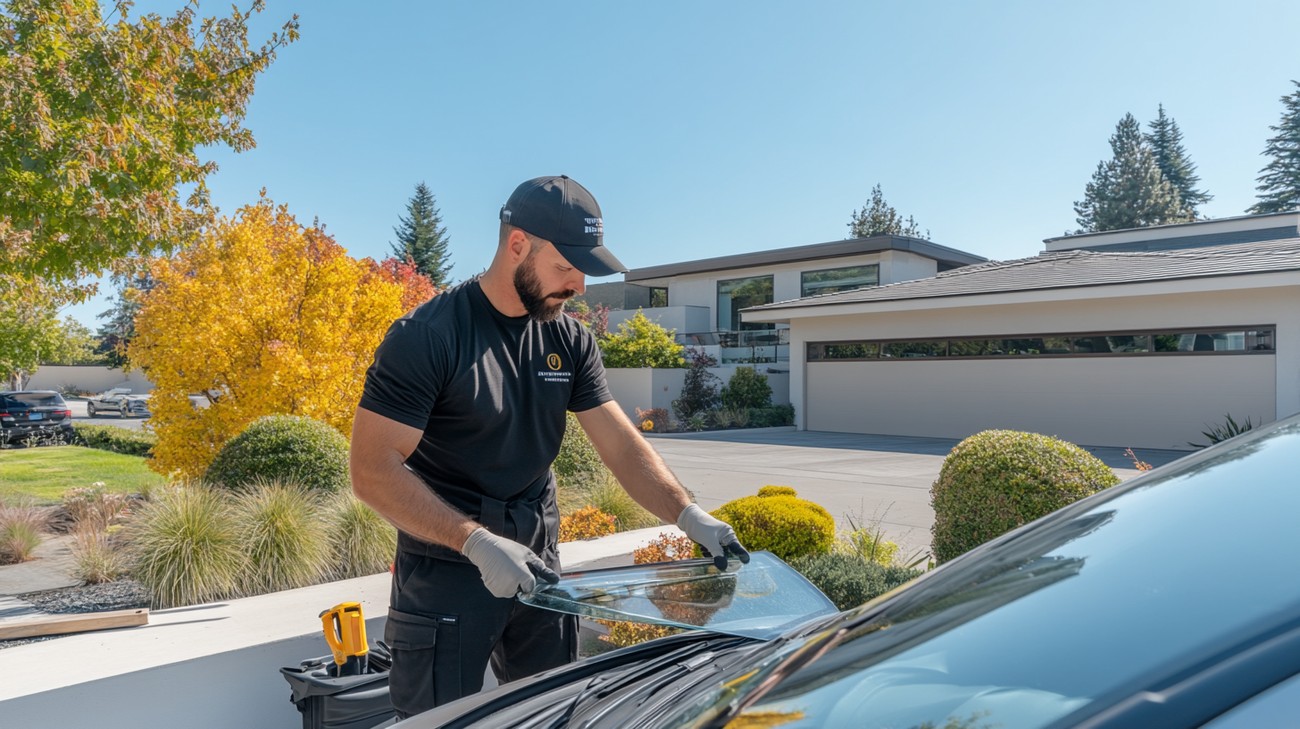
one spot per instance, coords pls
(44, 473)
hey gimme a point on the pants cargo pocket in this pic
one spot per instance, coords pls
(426, 658)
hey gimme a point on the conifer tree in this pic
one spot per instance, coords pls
(878, 217)
(1129, 190)
(422, 237)
(1166, 141)
(1279, 181)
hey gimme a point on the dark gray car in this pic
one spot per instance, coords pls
(1166, 601)
(25, 414)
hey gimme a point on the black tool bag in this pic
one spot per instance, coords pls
(327, 701)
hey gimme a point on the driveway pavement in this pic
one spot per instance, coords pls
(872, 479)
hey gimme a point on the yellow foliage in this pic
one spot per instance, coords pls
(263, 317)
(586, 523)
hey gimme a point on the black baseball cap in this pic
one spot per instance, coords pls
(561, 211)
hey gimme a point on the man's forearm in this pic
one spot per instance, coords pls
(646, 477)
(402, 498)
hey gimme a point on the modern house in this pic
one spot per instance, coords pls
(1142, 338)
(702, 299)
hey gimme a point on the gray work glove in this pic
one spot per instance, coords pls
(716, 538)
(508, 567)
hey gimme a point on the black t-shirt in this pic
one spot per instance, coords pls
(490, 392)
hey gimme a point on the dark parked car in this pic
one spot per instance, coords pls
(120, 401)
(1165, 601)
(33, 413)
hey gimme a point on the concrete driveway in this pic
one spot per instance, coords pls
(874, 480)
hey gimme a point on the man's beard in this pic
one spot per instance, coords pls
(529, 288)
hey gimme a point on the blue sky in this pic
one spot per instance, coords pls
(711, 128)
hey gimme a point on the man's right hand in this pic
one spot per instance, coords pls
(508, 567)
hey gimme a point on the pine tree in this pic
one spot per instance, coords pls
(1166, 142)
(1279, 181)
(423, 238)
(878, 217)
(1129, 190)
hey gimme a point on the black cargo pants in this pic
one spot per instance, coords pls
(444, 627)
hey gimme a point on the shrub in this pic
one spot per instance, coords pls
(997, 480)
(94, 508)
(780, 522)
(700, 388)
(770, 490)
(585, 523)
(656, 417)
(185, 547)
(281, 531)
(115, 439)
(746, 389)
(869, 546)
(640, 342)
(286, 448)
(848, 580)
(664, 548)
(361, 541)
(577, 455)
(771, 417)
(96, 558)
(608, 496)
(21, 525)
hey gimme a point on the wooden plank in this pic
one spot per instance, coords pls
(74, 623)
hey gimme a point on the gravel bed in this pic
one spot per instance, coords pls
(120, 595)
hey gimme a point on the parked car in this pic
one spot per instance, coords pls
(28, 413)
(1166, 601)
(119, 400)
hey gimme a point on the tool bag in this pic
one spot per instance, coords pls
(328, 701)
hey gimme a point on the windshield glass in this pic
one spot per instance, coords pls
(757, 600)
(1101, 601)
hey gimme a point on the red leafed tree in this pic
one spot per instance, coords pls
(416, 287)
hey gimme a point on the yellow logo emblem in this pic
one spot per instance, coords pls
(553, 361)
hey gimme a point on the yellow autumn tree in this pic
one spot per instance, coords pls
(262, 316)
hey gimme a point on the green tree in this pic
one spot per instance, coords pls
(422, 238)
(103, 121)
(640, 342)
(1166, 141)
(119, 321)
(32, 334)
(1129, 190)
(878, 217)
(1279, 180)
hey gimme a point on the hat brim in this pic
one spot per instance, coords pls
(592, 261)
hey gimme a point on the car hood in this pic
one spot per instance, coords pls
(761, 599)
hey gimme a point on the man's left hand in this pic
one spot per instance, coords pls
(717, 538)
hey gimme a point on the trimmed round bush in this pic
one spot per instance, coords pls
(849, 580)
(286, 448)
(746, 389)
(997, 480)
(780, 522)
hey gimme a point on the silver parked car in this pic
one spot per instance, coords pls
(119, 400)
(1166, 601)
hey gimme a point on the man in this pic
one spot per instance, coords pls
(462, 415)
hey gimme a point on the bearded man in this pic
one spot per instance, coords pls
(462, 415)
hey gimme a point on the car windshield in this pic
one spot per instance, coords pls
(756, 600)
(1106, 596)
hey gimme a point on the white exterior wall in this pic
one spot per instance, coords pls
(89, 378)
(1151, 402)
(701, 289)
(680, 319)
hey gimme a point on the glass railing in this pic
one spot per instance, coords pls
(747, 346)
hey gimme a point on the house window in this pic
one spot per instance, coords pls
(1235, 340)
(831, 280)
(739, 293)
(658, 296)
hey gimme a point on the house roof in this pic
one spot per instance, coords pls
(947, 257)
(1073, 269)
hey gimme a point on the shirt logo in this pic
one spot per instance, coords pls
(553, 361)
